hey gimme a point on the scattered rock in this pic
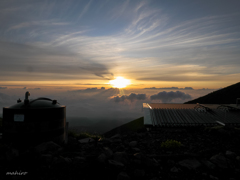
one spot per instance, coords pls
(47, 158)
(213, 177)
(72, 140)
(61, 161)
(106, 140)
(171, 162)
(116, 136)
(238, 158)
(136, 149)
(190, 164)
(155, 178)
(47, 146)
(133, 156)
(208, 164)
(220, 160)
(77, 160)
(71, 154)
(133, 144)
(139, 173)
(115, 163)
(108, 152)
(12, 154)
(86, 140)
(138, 155)
(150, 162)
(230, 155)
(102, 158)
(174, 170)
(117, 140)
(120, 157)
(123, 176)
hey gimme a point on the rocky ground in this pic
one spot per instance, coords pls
(205, 154)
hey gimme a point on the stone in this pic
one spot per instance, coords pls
(78, 159)
(47, 146)
(61, 160)
(204, 174)
(150, 162)
(87, 146)
(138, 155)
(171, 162)
(117, 140)
(133, 144)
(123, 176)
(238, 158)
(155, 178)
(12, 154)
(223, 132)
(190, 164)
(174, 170)
(72, 141)
(106, 141)
(137, 161)
(220, 161)
(213, 177)
(108, 152)
(120, 148)
(230, 155)
(116, 136)
(47, 158)
(136, 149)
(86, 140)
(71, 154)
(68, 160)
(139, 173)
(208, 164)
(102, 158)
(120, 157)
(115, 163)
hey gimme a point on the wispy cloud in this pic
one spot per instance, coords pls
(85, 9)
(38, 23)
(135, 39)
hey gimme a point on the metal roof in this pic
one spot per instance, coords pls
(157, 114)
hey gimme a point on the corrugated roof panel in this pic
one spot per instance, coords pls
(182, 118)
(192, 114)
(172, 106)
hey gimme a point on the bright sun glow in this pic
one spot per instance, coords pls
(119, 82)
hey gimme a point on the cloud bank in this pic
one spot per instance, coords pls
(132, 97)
(186, 88)
(167, 97)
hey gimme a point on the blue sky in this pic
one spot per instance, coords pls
(75, 45)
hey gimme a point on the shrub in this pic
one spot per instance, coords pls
(168, 144)
(72, 134)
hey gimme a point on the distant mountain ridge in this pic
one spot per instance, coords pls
(227, 95)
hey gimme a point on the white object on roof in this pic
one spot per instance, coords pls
(147, 115)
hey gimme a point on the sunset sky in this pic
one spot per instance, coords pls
(78, 46)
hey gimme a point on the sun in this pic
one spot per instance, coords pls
(119, 82)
